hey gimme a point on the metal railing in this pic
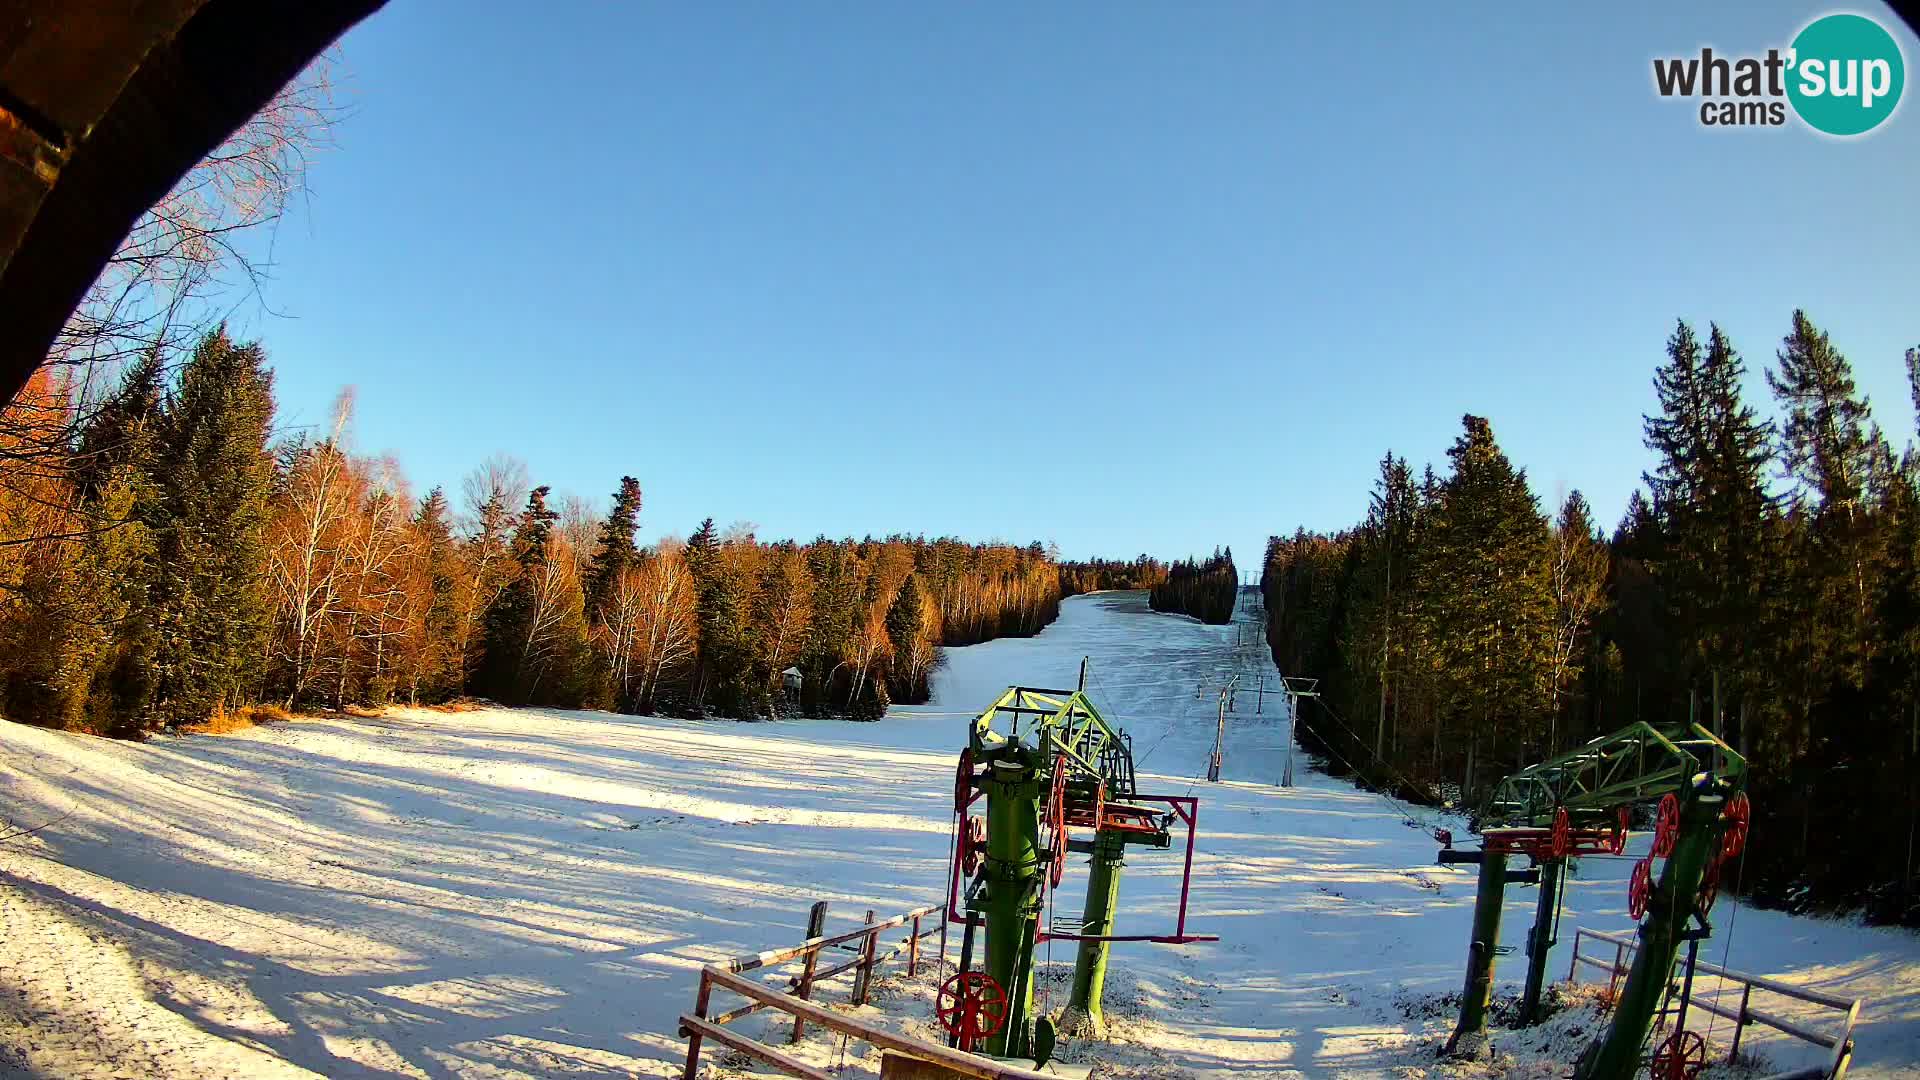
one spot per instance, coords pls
(1840, 1042)
(795, 1000)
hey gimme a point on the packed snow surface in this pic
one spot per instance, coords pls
(512, 893)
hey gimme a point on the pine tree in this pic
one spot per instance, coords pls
(703, 556)
(904, 627)
(1710, 498)
(616, 551)
(1493, 616)
(506, 671)
(438, 671)
(107, 633)
(1381, 569)
(1831, 455)
(120, 431)
(212, 475)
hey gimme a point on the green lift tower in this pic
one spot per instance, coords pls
(1046, 763)
(1582, 803)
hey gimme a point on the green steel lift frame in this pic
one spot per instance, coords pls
(1580, 803)
(1046, 762)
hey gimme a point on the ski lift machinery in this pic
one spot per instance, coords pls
(1581, 803)
(1046, 763)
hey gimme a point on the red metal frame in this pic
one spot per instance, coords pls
(954, 914)
(1539, 843)
(1187, 809)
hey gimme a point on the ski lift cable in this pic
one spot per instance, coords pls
(1726, 952)
(1414, 818)
(1411, 819)
(1403, 777)
(1100, 687)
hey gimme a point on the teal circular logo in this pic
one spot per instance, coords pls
(1845, 74)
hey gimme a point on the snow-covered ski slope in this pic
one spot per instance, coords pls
(519, 893)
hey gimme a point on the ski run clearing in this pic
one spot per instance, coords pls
(515, 893)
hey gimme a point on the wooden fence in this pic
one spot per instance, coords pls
(864, 945)
(1840, 1041)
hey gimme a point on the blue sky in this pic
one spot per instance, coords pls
(1124, 276)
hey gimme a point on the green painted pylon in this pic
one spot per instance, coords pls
(1617, 1055)
(1012, 897)
(1480, 950)
(1540, 940)
(1083, 1016)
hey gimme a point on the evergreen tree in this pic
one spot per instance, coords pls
(119, 434)
(1382, 567)
(108, 632)
(212, 477)
(1485, 567)
(703, 563)
(1830, 454)
(616, 551)
(439, 671)
(506, 673)
(905, 625)
(1710, 498)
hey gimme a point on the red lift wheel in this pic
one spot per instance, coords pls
(1056, 811)
(971, 1006)
(1099, 805)
(1681, 1057)
(1562, 833)
(1709, 889)
(1617, 843)
(1666, 826)
(1058, 853)
(1640, 888)
(973, 844)
(963, 782)
(1739, 813)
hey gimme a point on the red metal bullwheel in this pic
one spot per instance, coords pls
(1681, 1057)
(1057, 849)
(1617, 843)
(973, 844)
(971, 1006)
(1709, 889)
(1562, 833)
(1640, 888)
(1099, 805)
(1666, 826)
(963, 782)
(1056, 818)
(1739, 814)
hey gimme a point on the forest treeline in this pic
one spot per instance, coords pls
(165, 559)
(1100, 575)
(1763, 585)
(1205, 589)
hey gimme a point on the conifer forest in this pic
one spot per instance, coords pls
(1763, 585)
(168, 560)
(1205, 589)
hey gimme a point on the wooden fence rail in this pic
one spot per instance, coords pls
(1840, 1042)
(795, 1000)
